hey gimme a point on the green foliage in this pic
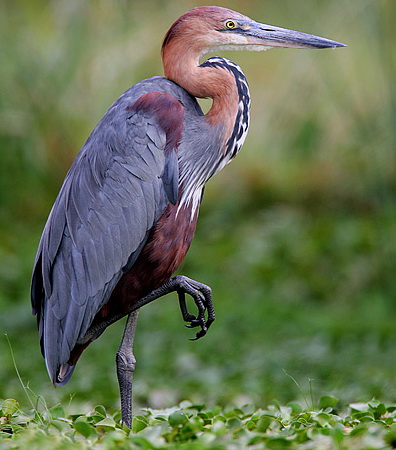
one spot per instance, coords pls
(189, 426)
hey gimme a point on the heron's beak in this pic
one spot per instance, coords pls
(269, 36)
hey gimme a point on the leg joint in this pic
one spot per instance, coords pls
(125, 362)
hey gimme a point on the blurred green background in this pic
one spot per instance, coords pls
(296, 237)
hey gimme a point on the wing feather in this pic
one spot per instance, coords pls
(117, 188)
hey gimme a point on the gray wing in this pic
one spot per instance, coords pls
(116, 189)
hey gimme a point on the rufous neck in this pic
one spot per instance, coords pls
(181, 66)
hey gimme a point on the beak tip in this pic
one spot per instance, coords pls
(331, 44)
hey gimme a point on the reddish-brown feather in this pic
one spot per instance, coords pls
(166, 247)
(169, 113)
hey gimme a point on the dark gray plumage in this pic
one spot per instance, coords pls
(116, 189)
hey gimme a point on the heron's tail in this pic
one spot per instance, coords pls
(64, 374)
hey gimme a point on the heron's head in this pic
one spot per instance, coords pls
(210, 28)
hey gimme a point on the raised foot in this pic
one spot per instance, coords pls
(202, 295)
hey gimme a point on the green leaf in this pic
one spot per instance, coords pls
(105, 425)
(101, 410)
(360, 430)
(263, 423)
(219, 427)
(234, 423)
(323, 418)
(327, 401)
(361, 407)
(248, 409)
(9, 407)
(139, 423)
(256, 440)
(390, 437)
(278, 442)
(177, 418)
(198, 407)
(83, 428)
(219, 418)
(338, 434)
(57, 411)
(74, 417)
(296, 407)
(250, 425)
(60, 425)
(378, 407)
(115, 439)
(142, 442)
(215, 411)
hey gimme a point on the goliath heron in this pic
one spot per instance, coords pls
(127, 211)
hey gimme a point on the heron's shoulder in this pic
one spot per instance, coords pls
(157, 84)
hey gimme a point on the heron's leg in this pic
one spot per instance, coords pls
(201, 293)
(126, 362)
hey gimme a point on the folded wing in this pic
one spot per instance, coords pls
(116, 189)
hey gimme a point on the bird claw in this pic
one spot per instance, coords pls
(201, 333)
(203, 299)
(194, 323)
(200, 322)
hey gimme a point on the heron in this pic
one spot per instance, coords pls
(127, 211)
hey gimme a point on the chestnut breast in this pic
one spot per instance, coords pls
(165, 249)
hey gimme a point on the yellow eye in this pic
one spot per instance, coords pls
(230, 24)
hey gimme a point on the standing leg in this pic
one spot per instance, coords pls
(126, 362)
